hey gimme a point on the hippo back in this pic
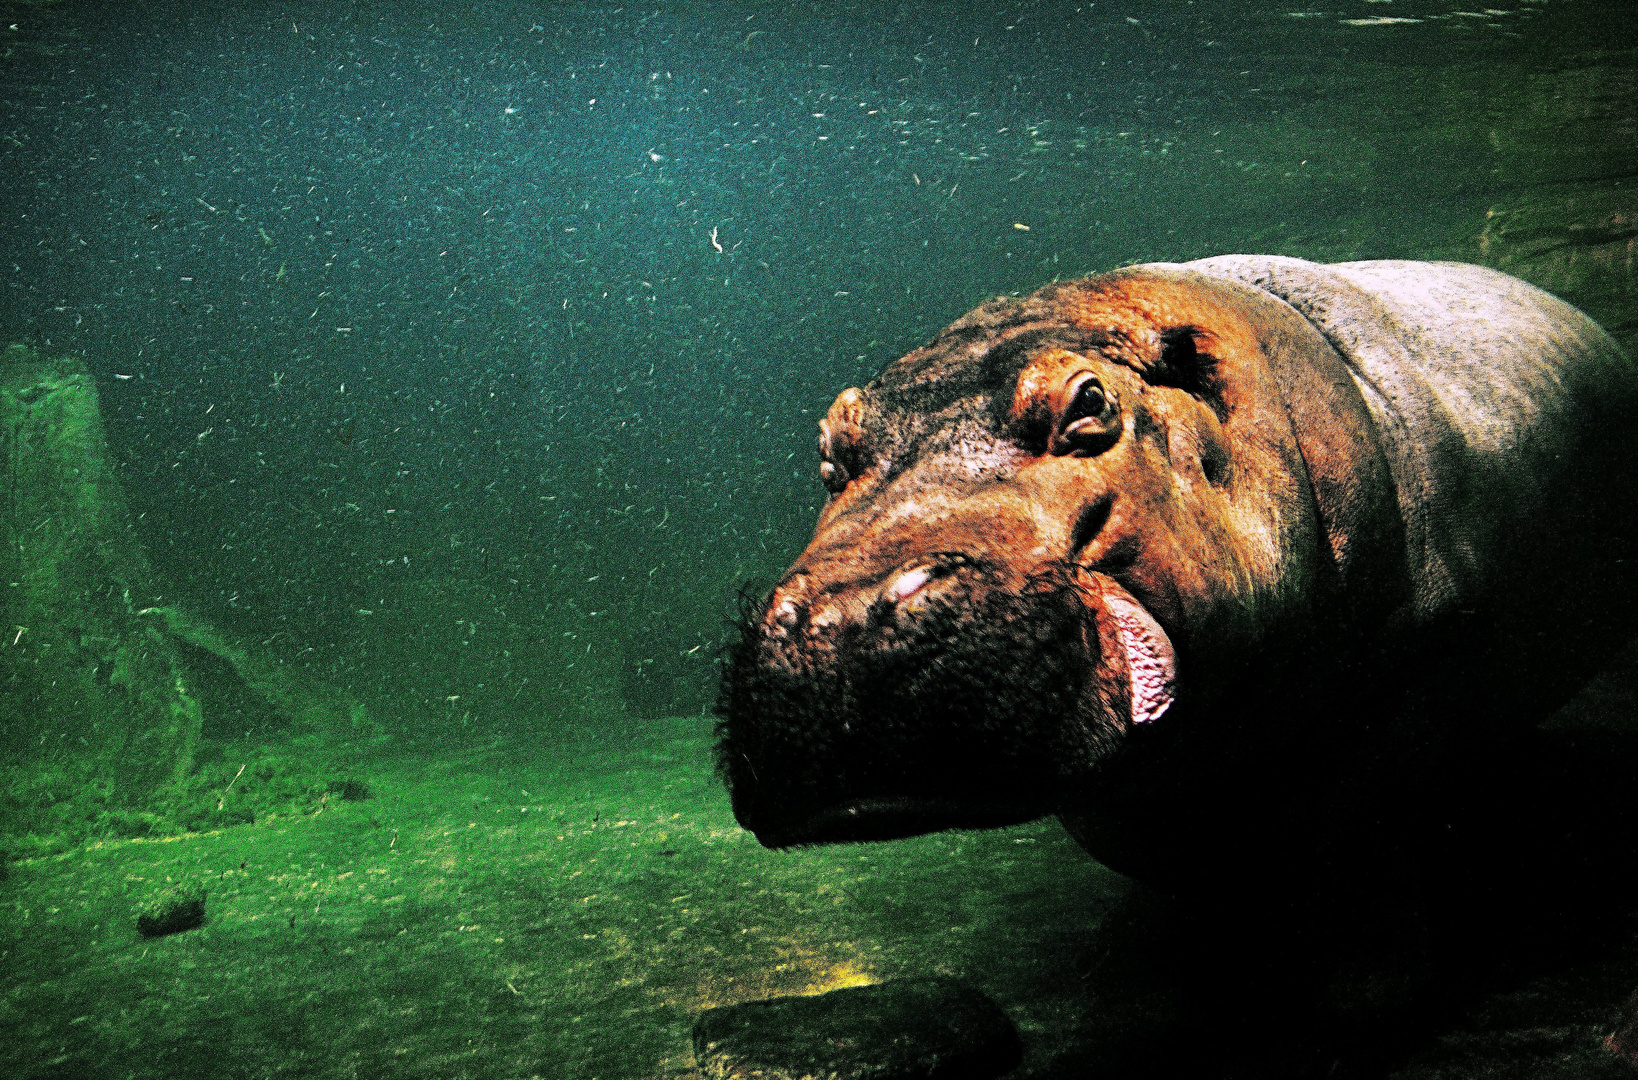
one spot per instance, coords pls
(1491, 399)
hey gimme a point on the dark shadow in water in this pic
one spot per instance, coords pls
(1504, 940)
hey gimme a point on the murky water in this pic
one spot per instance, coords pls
(459, 363)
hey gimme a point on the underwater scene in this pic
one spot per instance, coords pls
(408, 422)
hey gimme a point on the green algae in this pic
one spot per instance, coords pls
(109, 730)
(510, 910)
(567, 910)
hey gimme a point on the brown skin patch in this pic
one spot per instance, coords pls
(1210, 522)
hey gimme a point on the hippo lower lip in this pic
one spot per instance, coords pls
(1150, 661)
(895, 818)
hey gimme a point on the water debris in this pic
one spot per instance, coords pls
(229, 787)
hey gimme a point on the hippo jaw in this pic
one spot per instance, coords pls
(952, 697)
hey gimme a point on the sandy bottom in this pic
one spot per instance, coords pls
(519, 911)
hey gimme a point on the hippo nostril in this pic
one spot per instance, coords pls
(787, 607)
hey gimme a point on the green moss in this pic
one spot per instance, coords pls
(80, 670)
(71, 801)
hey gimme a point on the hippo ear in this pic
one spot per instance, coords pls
(1186, 362)
(841, 440)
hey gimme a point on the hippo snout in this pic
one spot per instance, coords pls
(933, 693)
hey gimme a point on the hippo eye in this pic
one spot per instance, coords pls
(1090, 401)
(1091, 423)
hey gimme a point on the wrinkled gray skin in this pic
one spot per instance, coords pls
(1481, 388)
(1247, 608)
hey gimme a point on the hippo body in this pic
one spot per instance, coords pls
(1238, 566)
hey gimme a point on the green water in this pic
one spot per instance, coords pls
(458, 364)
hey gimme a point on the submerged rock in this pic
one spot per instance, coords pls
(171, 911)
(905, 1029)
(79, 667)
(351, 790)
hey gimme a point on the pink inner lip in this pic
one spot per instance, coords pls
(1151, 663)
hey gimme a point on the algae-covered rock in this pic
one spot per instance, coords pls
(108, 693)
(83, 675)
(350, 790)
(302, 704)
(171, 910)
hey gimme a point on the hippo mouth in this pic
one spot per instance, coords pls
(976, 704)
(1150, 661)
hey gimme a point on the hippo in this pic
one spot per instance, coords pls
(1233, 565)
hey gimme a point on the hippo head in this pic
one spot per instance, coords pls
(1064, 523)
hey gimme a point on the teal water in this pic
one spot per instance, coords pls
(440, 284)
(465, 359)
